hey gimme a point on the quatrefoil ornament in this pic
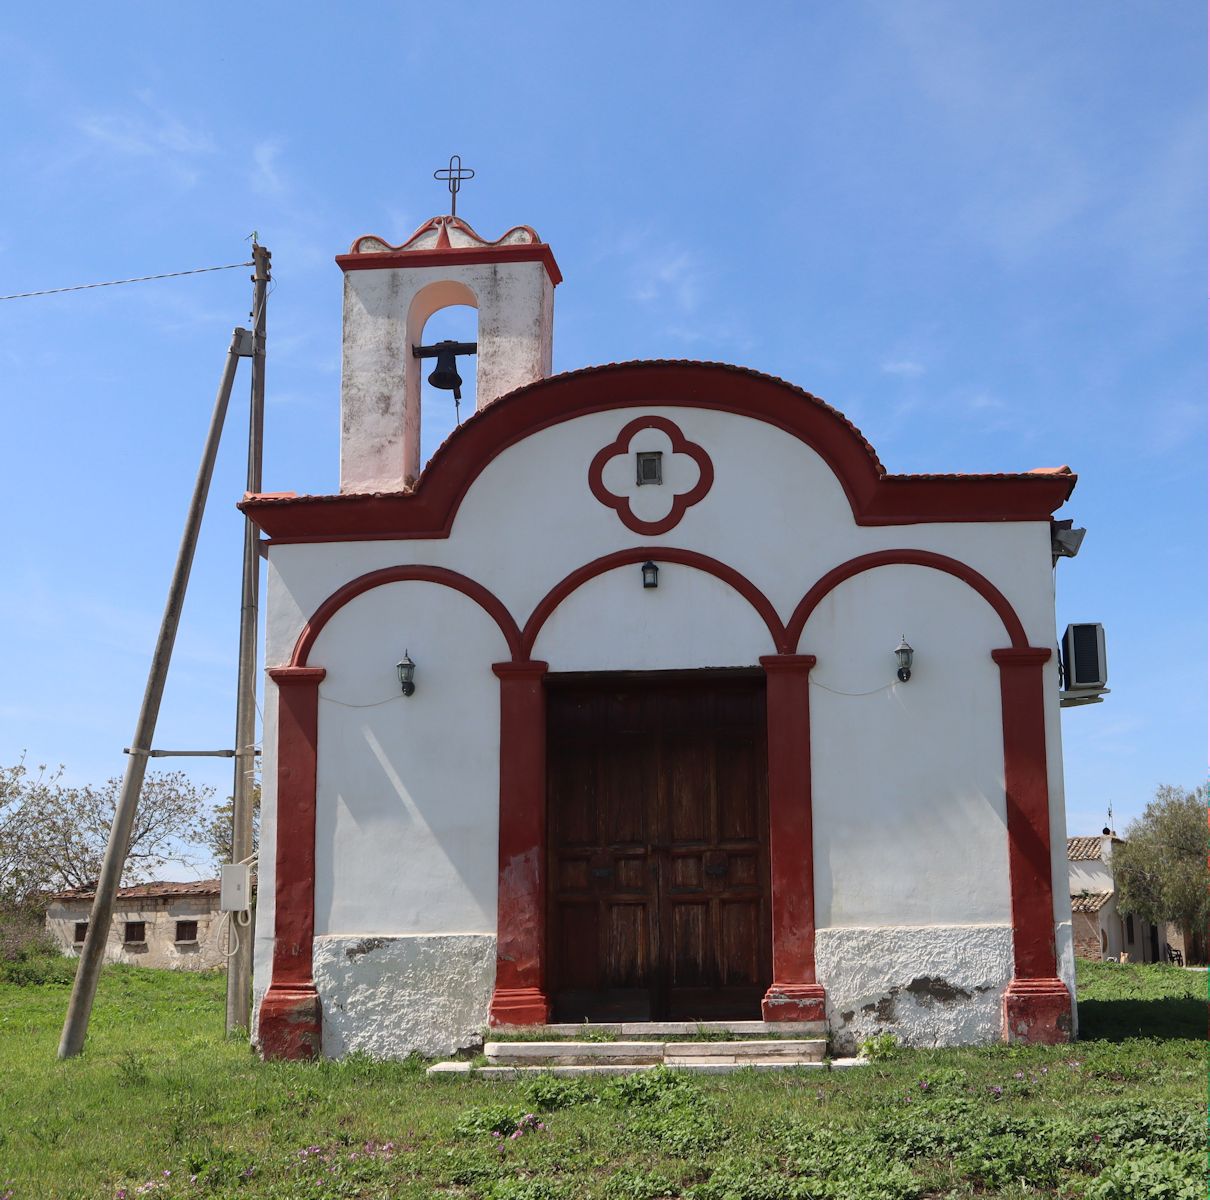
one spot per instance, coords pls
(615, 485)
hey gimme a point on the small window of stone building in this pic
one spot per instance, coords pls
(136, 933)
(81, 931)
(186, 931)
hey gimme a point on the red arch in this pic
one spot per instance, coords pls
(876, 498)
(439, 575)
(637, 554)
(911, 558)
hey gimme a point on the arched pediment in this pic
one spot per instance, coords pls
(427, 510)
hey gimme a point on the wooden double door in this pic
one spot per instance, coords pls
(657, 843)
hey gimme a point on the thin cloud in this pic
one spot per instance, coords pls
(673, 279)
(267, 176)
(905, 367)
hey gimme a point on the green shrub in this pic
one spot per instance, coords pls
(879, 1048)
(1151, 1174)
(549, 1094)
(38, 970)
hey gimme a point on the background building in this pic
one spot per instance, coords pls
(175, 925)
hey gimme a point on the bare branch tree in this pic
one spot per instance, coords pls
(53, 836)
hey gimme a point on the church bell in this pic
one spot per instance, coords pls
(445, 373)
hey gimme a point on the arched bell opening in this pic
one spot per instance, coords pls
(445, 310)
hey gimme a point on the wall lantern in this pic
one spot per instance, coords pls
(903, 656)
(407, 671)
(651, 574)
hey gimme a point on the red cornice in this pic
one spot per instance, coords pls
(875, 497)
(453, 256)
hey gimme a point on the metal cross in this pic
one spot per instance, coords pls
(454, 174)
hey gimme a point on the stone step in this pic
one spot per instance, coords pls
(803, 1049)
(570, 1053)
(707, 1066)
(664, 1029)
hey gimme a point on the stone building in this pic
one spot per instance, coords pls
(1100, 930)
(176, 925)
(610, 712)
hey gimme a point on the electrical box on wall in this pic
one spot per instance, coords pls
(1085, 669)
(235, 887)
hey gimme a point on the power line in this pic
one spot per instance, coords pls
(82, 287)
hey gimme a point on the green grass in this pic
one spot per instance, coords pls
(159, 1089)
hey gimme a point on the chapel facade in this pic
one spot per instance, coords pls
(659, 759)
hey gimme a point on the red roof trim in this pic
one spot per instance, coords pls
(453, 256)
(876, 498)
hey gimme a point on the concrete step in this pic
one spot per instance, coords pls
(702, 1066)
(801, 1049)
(665, 1029)
(566, 1053)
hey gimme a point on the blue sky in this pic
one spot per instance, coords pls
(976, 228)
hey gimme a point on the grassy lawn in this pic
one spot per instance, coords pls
(161, 1105)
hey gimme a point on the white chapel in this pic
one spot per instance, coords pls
(653, 696)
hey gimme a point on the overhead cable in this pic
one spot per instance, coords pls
(82, 287)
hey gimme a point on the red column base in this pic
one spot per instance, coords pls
(1037, 1012)
(290, 1025)
(793, 1002)
(518, 1006)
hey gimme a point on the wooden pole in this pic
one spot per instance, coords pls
(239, 964)
(79, 1009)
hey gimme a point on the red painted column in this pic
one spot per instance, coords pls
(794, 994)
(1037, 1004)
(519, 997)
(289, 1012)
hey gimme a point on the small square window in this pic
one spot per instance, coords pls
(136, 933)
(649, 467)
(81, 931)
(186, 931)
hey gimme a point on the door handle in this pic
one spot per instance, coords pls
(717, 869)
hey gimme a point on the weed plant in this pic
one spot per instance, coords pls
(162, 1105)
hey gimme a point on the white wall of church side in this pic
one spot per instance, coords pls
(908, 785)
(907, 779)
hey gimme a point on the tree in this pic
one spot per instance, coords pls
(1160, 871)
(216, 832)
(53, 837)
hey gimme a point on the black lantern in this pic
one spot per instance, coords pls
(651, 575)
(407, 670)
(903, 656)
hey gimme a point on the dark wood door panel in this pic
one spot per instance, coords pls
(658, 849)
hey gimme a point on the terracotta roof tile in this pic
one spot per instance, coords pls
(200, 887)
(1083, 849)
(1090, 902)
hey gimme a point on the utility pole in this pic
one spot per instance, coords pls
(75, 1027)
(239, 964)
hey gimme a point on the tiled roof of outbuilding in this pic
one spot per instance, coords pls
(1090, 902)
(1083, 849)
(139, 891)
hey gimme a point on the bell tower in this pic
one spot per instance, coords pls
(389, 294)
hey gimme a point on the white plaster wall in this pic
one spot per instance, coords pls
(408, 789)
(1089, 875)
(407, 793)
(385, 311)
(394, 996)
(266, 866)
(936, 985)
(775, 513)
(691, 620)
(907, 778)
